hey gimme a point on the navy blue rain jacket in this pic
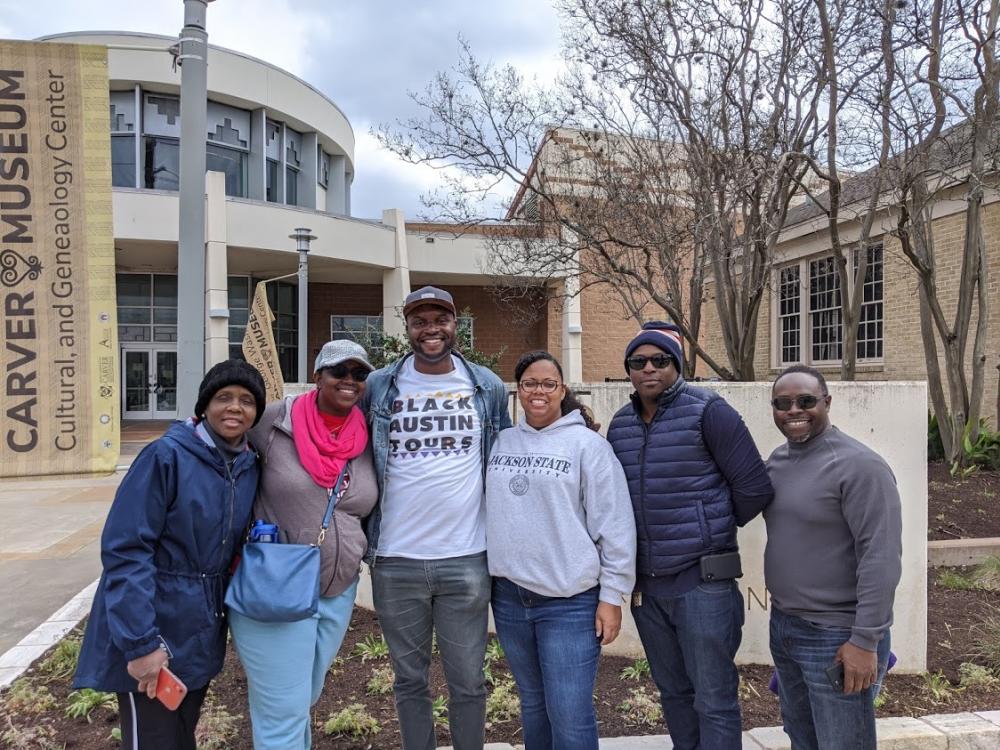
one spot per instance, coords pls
(682, 502)
(168, 542)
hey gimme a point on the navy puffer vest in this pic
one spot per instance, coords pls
(683, 509)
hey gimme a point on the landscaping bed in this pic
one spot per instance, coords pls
(962, 507)
(963, 629)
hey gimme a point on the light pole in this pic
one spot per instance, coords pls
(303, 237)
(192, 55)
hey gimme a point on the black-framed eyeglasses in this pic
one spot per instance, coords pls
(803, 401)
(545, 386)
(638, 362)
(340, 371)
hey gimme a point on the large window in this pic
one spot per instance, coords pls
(809, 321)
(123, 160)
(283, 300)
(161, 163)
(232, 163)
(147, 307)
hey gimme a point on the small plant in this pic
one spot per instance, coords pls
(986, 639)
(372, 647)
(29, 738)
(746, 690)
(82, 703)
(951, 579)
(503, 703)
(636, 670)
(381, 681)
(641, 708)
(116, 734)
(881, 698)
(494, 653)
(976, 676)
(216, 726)
(352, 721)
(987, 574)
(61, 663)
(938, 686)
(439, 710)
(25, 698)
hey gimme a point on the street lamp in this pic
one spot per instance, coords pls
(303, 237)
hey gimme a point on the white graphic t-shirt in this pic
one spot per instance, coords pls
(433, 504)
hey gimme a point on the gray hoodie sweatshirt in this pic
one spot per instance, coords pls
(559, 519)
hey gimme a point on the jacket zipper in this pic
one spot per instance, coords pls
(642, 491)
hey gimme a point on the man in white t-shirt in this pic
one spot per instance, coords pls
(433, 418)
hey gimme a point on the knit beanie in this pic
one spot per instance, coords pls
(231, 372)
(665, 336)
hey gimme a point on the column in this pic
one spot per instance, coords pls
(216, 270)
(336, 190)
(572, 333)
(395, 281)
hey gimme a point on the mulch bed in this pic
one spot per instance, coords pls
(962, 508)
(954, 616)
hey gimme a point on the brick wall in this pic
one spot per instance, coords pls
(338, 299)
(903, 353)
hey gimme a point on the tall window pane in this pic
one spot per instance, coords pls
(870, 322)
(123, 160)
(825, 314)
(789, 307)
(291, 186)
(161, 169)
(272, 181)
(231, 163)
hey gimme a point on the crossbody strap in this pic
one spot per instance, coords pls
(331, 495)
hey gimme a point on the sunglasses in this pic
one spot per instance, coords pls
(360, 374)
(803, 401)
(638, 362)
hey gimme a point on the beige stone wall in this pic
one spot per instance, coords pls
(903, 347)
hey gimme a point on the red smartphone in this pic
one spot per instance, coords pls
(170, 691)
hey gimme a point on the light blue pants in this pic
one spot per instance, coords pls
(286, 664)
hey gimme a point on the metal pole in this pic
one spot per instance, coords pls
(192, 57)
(303, 237)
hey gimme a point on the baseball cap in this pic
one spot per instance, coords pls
(335, 352)
(429, 295)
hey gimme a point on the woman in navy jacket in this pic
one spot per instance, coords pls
(167, 546)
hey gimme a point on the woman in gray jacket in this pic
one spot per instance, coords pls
(305, 442)
(560, 541)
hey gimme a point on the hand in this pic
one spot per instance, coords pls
(608, 622)
(146, 669)
(860, 667)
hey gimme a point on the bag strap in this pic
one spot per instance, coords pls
(332, 493)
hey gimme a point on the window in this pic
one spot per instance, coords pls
(272, 181)
(161, 165)
(809, 327)
(291, 186)
(240, 296)
(147, 307)
(232, 163)
(123, 160)
(283, 299)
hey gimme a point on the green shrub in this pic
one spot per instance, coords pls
(987, 574)
(82, 703)
(216, 726)
(986, 639)
(29, 738)
(61, 663)
(439, 710)
(937, 685)
(503, 703)
(25, 698)
(352, 721)
(641, 708)
(372, 647)
(976, 676)
(636, 670)
(381, 681)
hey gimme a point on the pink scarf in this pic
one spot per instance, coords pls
(321, 454)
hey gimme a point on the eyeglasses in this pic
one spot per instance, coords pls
(545, 386)
(803, 401)
(340, 371)
(225, 399)
(638, 362)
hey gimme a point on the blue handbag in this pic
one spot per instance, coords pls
(277, 582)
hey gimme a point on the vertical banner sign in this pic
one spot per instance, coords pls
(57, 270)
(258, 344)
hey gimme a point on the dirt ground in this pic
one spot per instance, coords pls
(955, 617)
(962, 508)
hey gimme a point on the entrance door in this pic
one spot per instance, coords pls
(149, 384)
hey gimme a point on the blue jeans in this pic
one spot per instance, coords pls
(286, 665)
(690, 642)
(814, 714)
(415, 598)
(552, 648)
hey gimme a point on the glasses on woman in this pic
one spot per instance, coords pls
(360, 374)
(803, 401)
(545, 386)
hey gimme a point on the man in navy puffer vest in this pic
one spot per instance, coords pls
(694, 475)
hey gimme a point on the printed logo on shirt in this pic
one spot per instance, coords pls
(432, 425)
(519, 485)
(522, 464)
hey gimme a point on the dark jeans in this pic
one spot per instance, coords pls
(815, 715)
(691, 641)
(553, 650)
(414, 599)
(147, 724)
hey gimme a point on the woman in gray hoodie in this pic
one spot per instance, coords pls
(560, 537)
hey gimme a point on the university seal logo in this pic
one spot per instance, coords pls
(519, 484)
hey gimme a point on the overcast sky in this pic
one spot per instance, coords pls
(363, 54)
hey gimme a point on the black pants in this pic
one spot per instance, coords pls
(148, 725)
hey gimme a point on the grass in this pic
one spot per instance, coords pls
(977, 676)
(25, 698)
(216, 726)
(951, 579)
(636, 670)
(61, 663)
(986, 639)
(641, 708)
(439, 710)
(935, 683)
(82, 703)
(372, 647)
(503, 703)
(987, 574)
(353, 721)
(381, 681)
(29, 738)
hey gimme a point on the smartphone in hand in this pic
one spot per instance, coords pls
(170, 691)
(835, 674)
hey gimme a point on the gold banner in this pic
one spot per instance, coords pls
(258, 344)
(57, 265)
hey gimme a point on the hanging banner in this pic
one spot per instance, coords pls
(57, 268)
(258, 344)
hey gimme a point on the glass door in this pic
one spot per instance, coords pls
(149, 383)
(135, 385)
(165, 385)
